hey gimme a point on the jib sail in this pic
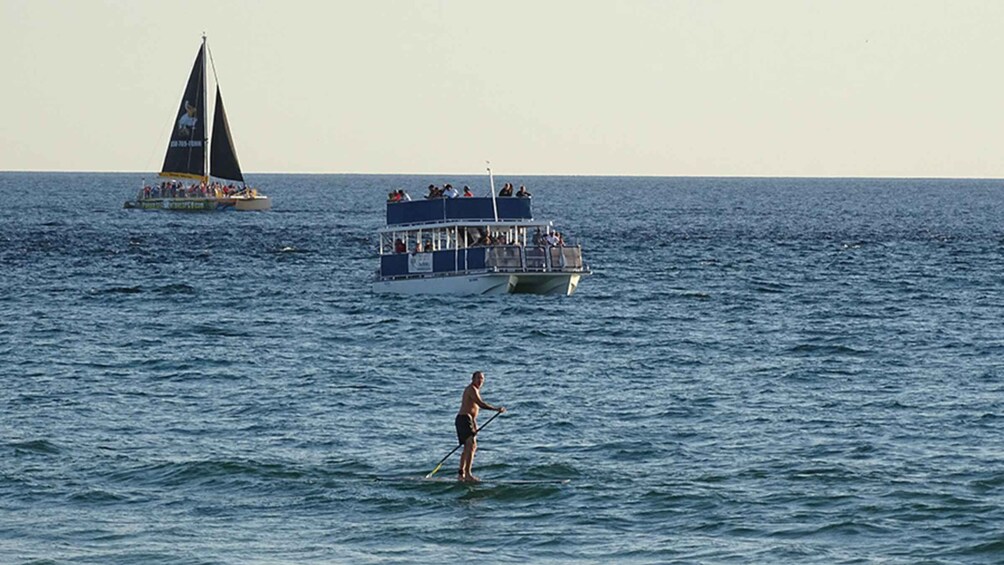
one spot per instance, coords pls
(222, 155)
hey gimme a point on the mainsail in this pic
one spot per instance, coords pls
(186, 152)
(222, 156)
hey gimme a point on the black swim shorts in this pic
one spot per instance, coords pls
(465, 427)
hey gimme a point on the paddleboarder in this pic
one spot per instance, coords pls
(467, 423)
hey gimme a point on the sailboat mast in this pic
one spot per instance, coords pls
(205, 130)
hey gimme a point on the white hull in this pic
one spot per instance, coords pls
(547, 283)
(487, 283)
(483, 284)
(252, 204)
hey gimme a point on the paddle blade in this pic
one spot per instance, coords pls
(434, 471)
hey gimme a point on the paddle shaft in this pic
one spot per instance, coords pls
(443, 460)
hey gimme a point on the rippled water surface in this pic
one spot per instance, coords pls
(758, 371)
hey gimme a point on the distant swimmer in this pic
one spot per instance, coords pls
(467, 423)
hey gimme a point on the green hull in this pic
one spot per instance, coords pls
(182, 204)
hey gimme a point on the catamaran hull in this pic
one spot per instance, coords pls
(483, 284)
(201, 204)
(259, 203)
(547, 283)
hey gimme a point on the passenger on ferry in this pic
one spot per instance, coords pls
(553, 239)
(434, 192)
(523, 192)
(405, 197)
(506, 190)
(538, 238)
(399, 246)
(418, 247)
(393, 196)
(450, 192)
(467, 192)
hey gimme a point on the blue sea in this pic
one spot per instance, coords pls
(758, 370)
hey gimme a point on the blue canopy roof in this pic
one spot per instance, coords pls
(457, 209)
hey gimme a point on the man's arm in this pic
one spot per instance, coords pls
(480, 402)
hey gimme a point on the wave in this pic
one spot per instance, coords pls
(810, 349)
(169, 289)
(205, 329)
(41, 446)
(290, 249)
(176, 288)
(240, 472)
(120, 290)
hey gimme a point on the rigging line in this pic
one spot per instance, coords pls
(212, 64)
(166, 132)
(210, 126)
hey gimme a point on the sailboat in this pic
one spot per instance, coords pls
(196, 169)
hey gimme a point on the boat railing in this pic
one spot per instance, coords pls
(504, 257)
(566, 258)
(535, 259)
(496, 258)
(539, 259)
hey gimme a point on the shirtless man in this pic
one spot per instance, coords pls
(467, 423)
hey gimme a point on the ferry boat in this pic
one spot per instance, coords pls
(192, 160)
(474, 245)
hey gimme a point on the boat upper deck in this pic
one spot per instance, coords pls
(417, 212)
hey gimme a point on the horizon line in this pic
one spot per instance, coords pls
(635, 175)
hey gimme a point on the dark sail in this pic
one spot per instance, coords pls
(222, 155)
(186, 152)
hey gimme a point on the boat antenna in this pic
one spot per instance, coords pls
(491, 184)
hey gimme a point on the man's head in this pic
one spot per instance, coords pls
(477, 379)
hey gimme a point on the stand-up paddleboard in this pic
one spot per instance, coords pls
(485, 482)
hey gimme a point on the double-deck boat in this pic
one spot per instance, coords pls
(474, 245)
(192, 161)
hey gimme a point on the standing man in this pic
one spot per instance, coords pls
(467, 423)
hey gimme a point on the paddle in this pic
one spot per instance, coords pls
(443, 460)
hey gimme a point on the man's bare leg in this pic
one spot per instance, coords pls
(467, 460)
(464, 457)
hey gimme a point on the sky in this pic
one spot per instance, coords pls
(817, 88)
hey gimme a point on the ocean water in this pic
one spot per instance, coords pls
(758, 371)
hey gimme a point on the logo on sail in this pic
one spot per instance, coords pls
(188, 119)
